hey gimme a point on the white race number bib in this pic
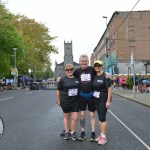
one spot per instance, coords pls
(72, 92)
(96, 94)
(85, 77)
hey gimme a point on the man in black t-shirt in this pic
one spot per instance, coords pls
(85, 75)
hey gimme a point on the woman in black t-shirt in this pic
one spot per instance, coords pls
(102, 95)
(67, 94)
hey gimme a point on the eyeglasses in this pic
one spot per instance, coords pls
(97, 65)
(69, 69)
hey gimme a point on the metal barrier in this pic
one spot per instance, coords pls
(52, 85)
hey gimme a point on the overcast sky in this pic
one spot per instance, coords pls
(77, 20)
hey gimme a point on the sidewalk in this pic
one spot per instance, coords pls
(142, 98)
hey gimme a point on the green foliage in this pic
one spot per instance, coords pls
(38, 44)
(32, 41)
(9, 39)
(46, 73)
(130, 82)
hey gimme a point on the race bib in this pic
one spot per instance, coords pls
(85, 77)
(96, 94)
(72, 92)
(100, 81)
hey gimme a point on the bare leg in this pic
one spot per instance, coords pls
(67, 121)
(103, 127)
(93, 121)
(82, 117)
(74, 122)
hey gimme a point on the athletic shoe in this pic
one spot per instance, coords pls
(82, 136)
(98, 138)
(74, 136)
(93, 136)
(102, 141)
(67, 136)
(63, 132)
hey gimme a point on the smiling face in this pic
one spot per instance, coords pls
(69, 69)
(97, 67)
(84, 61)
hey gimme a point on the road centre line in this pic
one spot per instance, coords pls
(130, 130)
(29, 92)
(6, 99)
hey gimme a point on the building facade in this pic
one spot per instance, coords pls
(68, 59)
(126, 33)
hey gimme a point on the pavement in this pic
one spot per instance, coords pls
(142, 98)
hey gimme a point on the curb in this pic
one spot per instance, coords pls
(131, 99)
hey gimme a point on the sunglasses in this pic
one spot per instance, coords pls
(97, 65)
(69, 69)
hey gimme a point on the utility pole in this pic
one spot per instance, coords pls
(106, 42)
(132, 63)
(15, 76)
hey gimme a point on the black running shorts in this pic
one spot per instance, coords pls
(87, 102)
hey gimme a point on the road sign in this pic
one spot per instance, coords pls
(14, 71)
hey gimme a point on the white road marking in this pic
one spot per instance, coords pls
(130, 130)
(29, 92)
(1, 127)
(5, 99)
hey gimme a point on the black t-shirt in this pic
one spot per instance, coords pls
(86, 77)
(69, 91)
(101, 83)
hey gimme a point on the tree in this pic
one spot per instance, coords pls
(38, 44)
(9, 38)
(32, 40)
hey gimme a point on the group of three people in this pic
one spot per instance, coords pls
(86, 87)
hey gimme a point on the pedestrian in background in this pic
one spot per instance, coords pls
(102, 95)
(123, 83)
(4, 84)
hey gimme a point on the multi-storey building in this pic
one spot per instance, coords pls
(126, 33)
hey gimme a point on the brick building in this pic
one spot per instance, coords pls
(126, 33)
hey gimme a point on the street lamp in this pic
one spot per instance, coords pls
(15, 75)
(106, 45)
(106, 20)
(132, 63)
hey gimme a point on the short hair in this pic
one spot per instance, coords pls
(83, 56)
(69, 66)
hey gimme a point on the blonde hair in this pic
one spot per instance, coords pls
(69, 66)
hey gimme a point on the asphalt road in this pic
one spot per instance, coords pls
(33, 121)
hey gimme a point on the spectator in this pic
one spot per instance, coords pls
(123, 83)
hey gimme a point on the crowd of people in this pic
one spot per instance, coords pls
(3, 84)
(87, 87)
(142, 83)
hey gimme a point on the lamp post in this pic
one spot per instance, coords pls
(106, 45)
(132, 63)
(120, 56)
(15, 76)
